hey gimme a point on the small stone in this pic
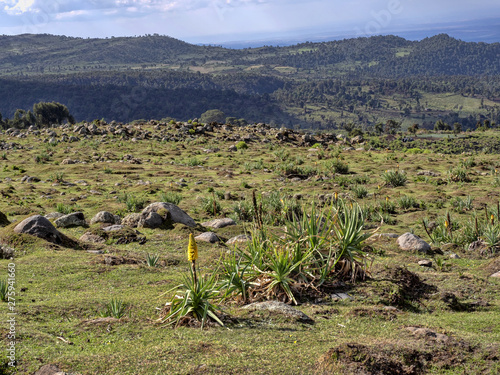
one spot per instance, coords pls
(75, 219)
(454, 256)
(425, 263)
(496, 274)
(210, 237)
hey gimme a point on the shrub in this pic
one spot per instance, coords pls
(4, 288)
(132, 202)
(169, 197)
(241, 145)
(359, 191)
(394, 178)
(337, 166)
(152, 260)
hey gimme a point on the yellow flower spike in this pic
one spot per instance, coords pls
(387, 199)
(336, 195)
(192, 249)
(446, 224)
(492, 219)
(378, 187)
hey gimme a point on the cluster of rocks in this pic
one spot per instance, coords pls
(176, 131)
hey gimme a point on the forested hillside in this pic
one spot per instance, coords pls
(316, 85)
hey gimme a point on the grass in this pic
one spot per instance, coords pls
(63, 292)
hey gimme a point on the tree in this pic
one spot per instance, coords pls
(47, 113)
(379, 128)
(441, 125)
(213, 115)
(457, 128)
(413, 129)
(392, 126)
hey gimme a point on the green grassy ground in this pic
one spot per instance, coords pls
(61, 293)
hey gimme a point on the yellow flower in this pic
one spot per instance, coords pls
(446, 224)
(192, 249)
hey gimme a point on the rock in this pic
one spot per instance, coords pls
(279, 308)
(341, 296)
(411, 242)
(68, 161)
(6, 252)
(151, 220)
(426, 332)
(478, 246)
(425, 263)
(239, 239)
(454, 256)
(428, 173)
(103, 217)
(176, 214)
(40, 227)
(131, 220)
(113, 228)
(219, 223)
(90, 237)
(357, 139)
(54, 215)
(3, 220)
(50, 370)
(496, 274)
(210, 237)
(75, 219)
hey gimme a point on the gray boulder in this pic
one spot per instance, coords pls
(151, 220)
(93, 238)
(219, 223)
(103, 217)
(40, 227)
(411, 242)
(54, 215)
(210, 237)
(75, 219)
(279, 308)
(170, 210)
(131, 220)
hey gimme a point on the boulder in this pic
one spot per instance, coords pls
(75, 219)
(151, 220)
(131, 220)
(170, 210)
(90, 237)
(40, 227)
(219, 223)
(210, 237)
(54, 215)
(411, 242)
(103, 217)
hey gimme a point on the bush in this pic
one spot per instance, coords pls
(169, 197)
(394, 178)
(241, 145)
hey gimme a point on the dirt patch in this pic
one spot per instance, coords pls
(409, 288)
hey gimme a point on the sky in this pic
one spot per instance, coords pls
(250, 22)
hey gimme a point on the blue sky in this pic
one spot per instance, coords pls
(219, 21)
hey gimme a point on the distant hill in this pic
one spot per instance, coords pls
(326, 84)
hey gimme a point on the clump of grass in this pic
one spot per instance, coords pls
(57, 177)
(115, 308)
(394, 178)
(241, 145)
(406, 202)
(4, 289)
(64, 208)
(170, 197)
(337, 166)
(462, 205)
(211, 205)
(42, 158)
(152, 260)
(108, 170)
(359, 191)
(458, 174)
(194, 162)
(133, 202)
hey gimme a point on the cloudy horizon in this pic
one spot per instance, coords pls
(219, 21)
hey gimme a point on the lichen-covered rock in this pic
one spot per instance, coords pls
(75, 219)
(40, 227)
(131, 220)
(242, 238)
(91, 237)
(219, 223)
(210, 237)
(175, 214)
(151, 220)
(411, 242)
(103, 217)
(6, 252)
